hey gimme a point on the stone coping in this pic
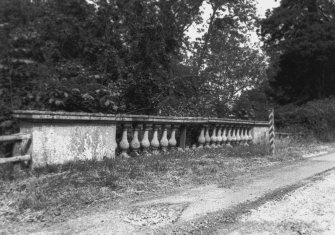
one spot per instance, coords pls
(50, 116)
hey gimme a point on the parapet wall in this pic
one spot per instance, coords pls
(60, 137)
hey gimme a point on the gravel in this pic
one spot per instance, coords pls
(307, 210)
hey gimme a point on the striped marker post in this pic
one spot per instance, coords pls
(272, 131)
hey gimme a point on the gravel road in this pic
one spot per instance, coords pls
(307, 210)
(211, 209)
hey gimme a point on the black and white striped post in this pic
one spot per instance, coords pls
(272, 131)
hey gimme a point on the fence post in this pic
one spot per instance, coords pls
(272, 131)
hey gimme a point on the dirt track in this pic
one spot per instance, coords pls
(307, 210)
(173, 211)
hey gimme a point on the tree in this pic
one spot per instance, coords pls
(252, 104)
(299, 36)
(221, 64)
(232, 65)
(44, 66)
(125, 56)
(155, 31)
(108, 57)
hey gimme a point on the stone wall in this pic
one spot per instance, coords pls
(260, 135)
(58, 143)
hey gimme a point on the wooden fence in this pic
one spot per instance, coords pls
(20, 149)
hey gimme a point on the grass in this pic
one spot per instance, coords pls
(47, 192)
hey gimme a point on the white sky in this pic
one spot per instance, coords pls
(262, 6)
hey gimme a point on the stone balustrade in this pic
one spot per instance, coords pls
(164, 137)
(59, 137)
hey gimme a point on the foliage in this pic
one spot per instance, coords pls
(300, 38)
(221, 64)
(80, 183)
(315, 117)
(72, 55)
(47, 64)
(125, 56)
(252, 104)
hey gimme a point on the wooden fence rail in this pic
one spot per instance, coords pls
(282, 135)
(14, 137)
(15, 159)
(21, 146)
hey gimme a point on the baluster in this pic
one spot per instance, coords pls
(145, 143)
(172, 140)
(250, 136)
(246, 138)
(229, 137)
(164, 141)
(238, 137)
(202, 139)
(214, 138)
(219, 137)
(135, 143)
(242, 135)
(207, 137)
(224, 136)
(233, 136)
(155, 142)
(124, 144)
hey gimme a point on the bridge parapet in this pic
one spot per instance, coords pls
(60, 137)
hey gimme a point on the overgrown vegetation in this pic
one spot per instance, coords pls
(315, 118)
(300, 40)
(126, 56)
(49, 191)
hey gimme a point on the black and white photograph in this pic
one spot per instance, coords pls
(167, 117)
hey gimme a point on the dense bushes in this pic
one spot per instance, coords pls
(253, 104)
(77, 56)
(126, 56)
(315, 117)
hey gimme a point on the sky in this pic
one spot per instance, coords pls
(262, 6)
